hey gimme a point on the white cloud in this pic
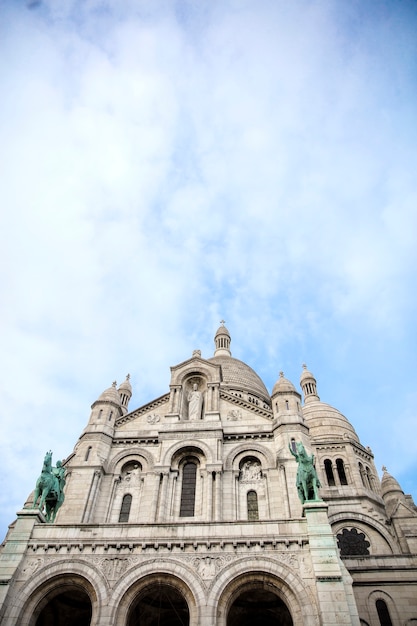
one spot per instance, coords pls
(170, 164)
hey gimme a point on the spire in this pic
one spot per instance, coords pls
(309, 385)
(222, 341)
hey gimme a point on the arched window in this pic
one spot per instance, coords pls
(125, 508)
(328, 466)
(383, 613)
(369, 478)
(363, 475)
(87, 454)
(189, 474)
(252, 499)
(341, 471)
(293, 445)
(287, 405)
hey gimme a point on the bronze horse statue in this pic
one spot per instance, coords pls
(307, 479)
(49, 488)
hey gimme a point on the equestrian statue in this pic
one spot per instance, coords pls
(50, 488)
(307, 479)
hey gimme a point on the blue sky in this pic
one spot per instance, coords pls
(169, 164)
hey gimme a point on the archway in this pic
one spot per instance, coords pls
(159, 604)
(72, 606)
(258, 605)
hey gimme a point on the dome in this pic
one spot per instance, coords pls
(327, 423)
(110, 395)
(222, 330)
(283, 385)
(238, 375)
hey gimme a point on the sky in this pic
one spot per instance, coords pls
(168, 164)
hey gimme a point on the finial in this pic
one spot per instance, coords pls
(197, 353)
(114, 384)
(128, 377)
(384, 469)
(281, 374)
(222, 322)
(304, 366)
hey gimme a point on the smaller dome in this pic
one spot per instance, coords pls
(325, 422)
(389, 485)
(222, 330)
(110, 395)
(305, 374)
(283, 385)
(126, 386)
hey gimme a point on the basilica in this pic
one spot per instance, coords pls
(193, 510)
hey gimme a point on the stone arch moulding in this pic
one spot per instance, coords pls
(187, 445)
(144, 457)
(364, 523)
(134, 582)
(209, 372)
(249, 448)
(271, 574)
(378, 594)
(53, 579)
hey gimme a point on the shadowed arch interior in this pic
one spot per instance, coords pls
(71, 606)
(258, 606)
(159, 605)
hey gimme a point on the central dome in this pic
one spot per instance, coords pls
(239, 376)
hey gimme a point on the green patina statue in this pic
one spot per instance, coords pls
(50, 488)
(307, 479)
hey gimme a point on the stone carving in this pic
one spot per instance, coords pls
(50, 488)
(307, 479)
(207, 566)
(250, 472)
(153, 419)
(288, 558)
(195, 403)
(114, 568)
(234, 415)
(32, 566)
(132, 474)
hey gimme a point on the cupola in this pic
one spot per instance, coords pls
(125, 393)
(309, 386)
(222, 341)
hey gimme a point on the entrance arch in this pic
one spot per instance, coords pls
(65, 608)
(62, 601)
(241, 582)
(159, 604)
(258, 603)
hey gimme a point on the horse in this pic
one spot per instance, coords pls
(48, 490)
(307, 479)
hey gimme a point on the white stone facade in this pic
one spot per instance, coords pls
(186, 511)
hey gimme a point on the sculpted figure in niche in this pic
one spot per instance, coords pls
(195, 403)
(251, 470)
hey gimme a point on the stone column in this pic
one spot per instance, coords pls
(164, 495)
(218, 494)
(333, 582)
(91, 500)
(155, 499)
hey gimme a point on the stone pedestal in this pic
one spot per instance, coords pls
(16, 546)
(334, 584)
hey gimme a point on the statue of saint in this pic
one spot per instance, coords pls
(195, 403)
(307, 479)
